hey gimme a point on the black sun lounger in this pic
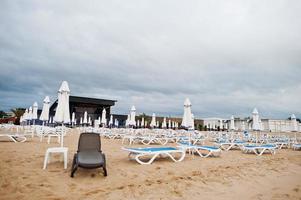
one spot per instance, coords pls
(89, 154)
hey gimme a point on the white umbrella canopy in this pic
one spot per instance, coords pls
(187, 120)
(169, 123)
(164, 123)
(73, 118)
(45, 110)
(103, 117)
(89, 121)
(25, 115)
(132, 121)
(232, 125)
(138, 123)
(243, 126)
(153, 122)
(62, 113)
(220, 124)
(294, 123)
(29, 116)
(111, 120)
(142, 122)
(116, 123)
(157, 124)
(255, 116)
(85, 120)
(127, 121)
(81, 121)
(35, 111)
(146, 123)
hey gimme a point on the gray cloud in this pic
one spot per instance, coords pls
(227, 57)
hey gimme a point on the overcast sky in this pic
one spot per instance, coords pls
(226, 56)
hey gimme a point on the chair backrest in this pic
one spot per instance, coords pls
(89, 142)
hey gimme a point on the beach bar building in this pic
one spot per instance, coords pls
(93, 106)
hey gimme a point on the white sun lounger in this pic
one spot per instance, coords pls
(230, 145)
(259, 150)
(138, 153)
(211, 151)
(14, 137)
(296, 146)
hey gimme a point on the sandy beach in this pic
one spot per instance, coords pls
(234, 175)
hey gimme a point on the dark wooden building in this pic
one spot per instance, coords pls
(93, 106)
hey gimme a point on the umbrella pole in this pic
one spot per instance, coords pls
(62, 133)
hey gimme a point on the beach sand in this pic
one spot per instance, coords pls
(234, 175)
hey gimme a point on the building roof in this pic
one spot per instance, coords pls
(89, 100)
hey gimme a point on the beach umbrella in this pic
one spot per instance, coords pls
(111, 121)
(187, 120)
(116, 123)
(255, 116)
(157, 124)
(226, 126)
(132, 121)
(146, 123)
(62, 113)
(153, 122)
(220, 124)
(169, 124)
(81, 121)
(34, 112)
(89, 121)
(85, 120)
(142, 122)
(103, 118)
(75, 122)
(256, 124)
(232, 126)
(30, 113)
(243, 126)
(73, 118)
(45, 110)
(127, 121)
(294, 124)
(164, 123)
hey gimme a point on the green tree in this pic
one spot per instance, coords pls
(18, 112)
(2, 114)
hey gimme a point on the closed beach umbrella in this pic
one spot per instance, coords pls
(220, 124)
(81, 121)
(35, 111)
(164, 123)
(157, 124)
(116, 123)
(85, 120)
(294, 123)
(29, 113)
(232, 126)
(103, 117)
(45, 110)
(62, 113)
(89, 121)
(132, 121)
(243, 126)
(73, 118)
(146, 123)
(187, 120)
(142, 122)
(153, 122)
(169, 123)
(127, 121)
(255, 116)
(111, 120)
